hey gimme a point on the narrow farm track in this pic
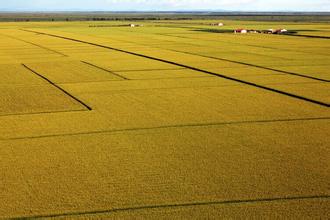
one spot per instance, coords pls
(58, 87)
(168, 126)
(257, 66)
(37, 45)
(93, 65)
(192, 68)
(41, 113)
(146, 70)
(169, 206)
(308, 36)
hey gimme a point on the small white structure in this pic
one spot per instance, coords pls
(135, 25)
(240, 31)
(217, 24)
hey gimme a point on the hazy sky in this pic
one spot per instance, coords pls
(163, 5)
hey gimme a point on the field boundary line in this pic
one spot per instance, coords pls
(250, 45)
(249, 64)
(253, 65)
(104, 69)
(174, 88)
(151, 79)
(42, 113)
(166, 127)
(58, 87)
(193, 68)
(149, 70)
(37, 45)
(177, 205)
(307, 36)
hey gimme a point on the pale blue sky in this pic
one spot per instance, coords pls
(163, 5)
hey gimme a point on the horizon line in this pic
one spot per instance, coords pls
(165, 11)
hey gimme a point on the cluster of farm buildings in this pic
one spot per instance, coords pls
(237, 31)
(269, 31)
(245, 31)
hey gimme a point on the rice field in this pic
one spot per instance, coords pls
(170, 120)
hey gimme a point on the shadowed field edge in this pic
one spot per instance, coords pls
(58, 87)
(106, 70)
(253, 65)
(164, 206)
(44, 112)
(164, 127)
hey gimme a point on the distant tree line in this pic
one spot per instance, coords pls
(26, 17)
(134, 19)
(95, 19)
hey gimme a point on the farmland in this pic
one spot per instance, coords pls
(168, 120)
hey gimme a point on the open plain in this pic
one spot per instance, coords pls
(169, 120)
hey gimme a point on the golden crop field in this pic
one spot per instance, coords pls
(169, 120)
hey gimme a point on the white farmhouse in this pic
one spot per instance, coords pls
(240, 31)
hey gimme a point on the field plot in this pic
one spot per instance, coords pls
(17, 74)
(161, 74)
(35, 99)
(23, 92)
(72, 72)
(170, 120)
(17, 50)
(319, 71)
(133, 64)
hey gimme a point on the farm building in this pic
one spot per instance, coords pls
(268, 31)
(135, 25)
(280, 31)
(240, 31)
(273, 31)
(217, 24)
